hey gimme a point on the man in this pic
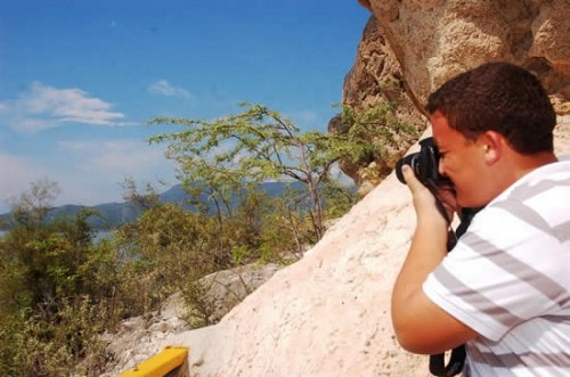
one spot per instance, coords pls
(504, 289)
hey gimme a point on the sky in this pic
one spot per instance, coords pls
(80, 79)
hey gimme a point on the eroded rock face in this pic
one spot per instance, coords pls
(376, 78)
(411, 47)
(435, 40)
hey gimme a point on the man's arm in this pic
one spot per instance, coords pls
(420, 325)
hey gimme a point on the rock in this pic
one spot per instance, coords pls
(376, 78)
(228, 288)
(137, 338)
(434, 40)
(409, 48)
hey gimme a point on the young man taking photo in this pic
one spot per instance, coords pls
(504, 288)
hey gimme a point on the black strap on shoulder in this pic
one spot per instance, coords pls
(456, 362)
(437, 365)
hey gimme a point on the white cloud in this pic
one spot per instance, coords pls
(77, 145)
(88, 173)
(128, 157)
(164, 88)
(105, 164)
(44, 107)
(115, 157)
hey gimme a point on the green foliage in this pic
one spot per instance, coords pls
(339, 199)
(144, 200)
(167, 244)
(224, 155)
(55, 344)
(373, 135)
(201, 310)
(378, 126)
(54, 291)
(34, 204)
(48, 261)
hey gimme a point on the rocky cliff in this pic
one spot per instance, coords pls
(328, 314)
(411, 47)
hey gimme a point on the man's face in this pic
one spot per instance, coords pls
(462, 161)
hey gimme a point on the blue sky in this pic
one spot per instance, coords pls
(79, 79)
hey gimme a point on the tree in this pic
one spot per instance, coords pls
(34, 204)
(258, 144)
(55, 285)
(147, 199)
(373, 135)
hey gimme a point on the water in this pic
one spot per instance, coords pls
(100, 235)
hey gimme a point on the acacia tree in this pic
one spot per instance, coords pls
(259, 144)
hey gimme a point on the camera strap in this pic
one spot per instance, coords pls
(437, 365)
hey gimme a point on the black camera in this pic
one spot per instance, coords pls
(424, 164)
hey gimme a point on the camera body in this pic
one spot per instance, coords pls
(424, 164)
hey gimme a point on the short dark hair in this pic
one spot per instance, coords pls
(499, 97)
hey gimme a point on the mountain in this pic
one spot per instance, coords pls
(113, 215)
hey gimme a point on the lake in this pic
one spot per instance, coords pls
(100, 235)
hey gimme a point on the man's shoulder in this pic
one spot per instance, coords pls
(548, 182)
(556, 172)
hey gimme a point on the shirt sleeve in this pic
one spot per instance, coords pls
(493, 274)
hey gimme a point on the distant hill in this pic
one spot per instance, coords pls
(113, 215)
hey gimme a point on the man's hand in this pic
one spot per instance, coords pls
(419, 324)
(424, 199)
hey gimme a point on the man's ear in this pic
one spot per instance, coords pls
(493, 144)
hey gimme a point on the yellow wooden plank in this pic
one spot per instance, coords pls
(170, 358)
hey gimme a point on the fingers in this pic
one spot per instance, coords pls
(423, 198)
(425, 201)
(411, 180)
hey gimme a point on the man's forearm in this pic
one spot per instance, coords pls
(427, 250)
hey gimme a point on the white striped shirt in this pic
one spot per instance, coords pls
(508, 278)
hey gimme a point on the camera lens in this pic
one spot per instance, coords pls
(411, 160)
